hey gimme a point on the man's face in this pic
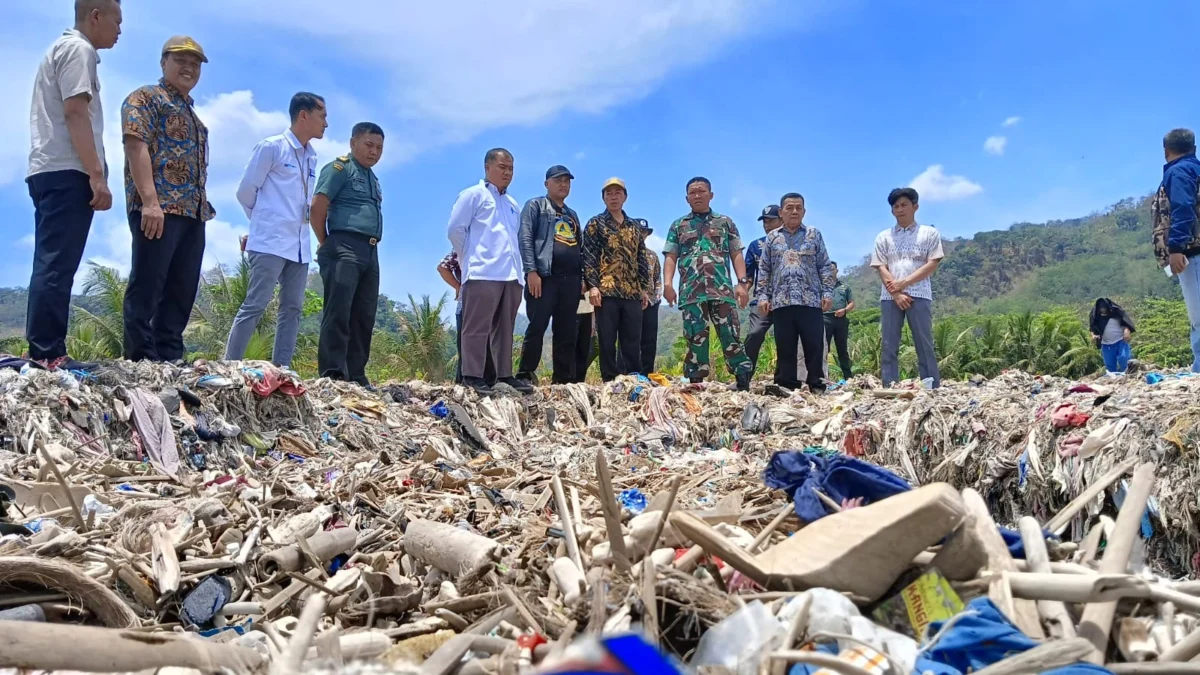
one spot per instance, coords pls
(793, 212)
(834, 271)
(367, 149)
(499, 172)
(614, 197)
(106, 25)
(314, 121)
(182, 70)
(772, 224)
(904, 210)
(699, 196)
(558, 188)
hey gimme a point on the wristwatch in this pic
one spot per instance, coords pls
(744, 280)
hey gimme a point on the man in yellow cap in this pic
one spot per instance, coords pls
(166, 168)
(617, 277)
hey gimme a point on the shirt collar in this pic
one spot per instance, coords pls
(912, 228)
(79, 34)
(295, 142)
(609, 217)
(175, 93)
(800, 229)
(1178, 160)
(493, 188)
(703, 216)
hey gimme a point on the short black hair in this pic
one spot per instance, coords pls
(306, 102)
(494, 154)
(84, 7)
(366, 128)
(901, 193)
(833, 262)
(1180, 141)
(791, 195)
(698, 179)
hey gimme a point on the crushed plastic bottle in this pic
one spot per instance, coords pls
(93, 505)
(633, 500)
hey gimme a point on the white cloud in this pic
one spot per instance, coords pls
(28, 240)
(580, 156)
(111, 244)
(656, 243)
(994, 145)
(935, 186)
(466, 70)
(1011, 121)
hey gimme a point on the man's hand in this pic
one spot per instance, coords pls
(1128, 336)
(645, 300)
(669, 294)
(896, 285)
(764, 307)
(533, 282)
(242, 240)
(840, 313)
(101, 195)
(826, 304)
(903, 300)
(1179, 263)
(594, 297)
(743, 298)
(152, 221)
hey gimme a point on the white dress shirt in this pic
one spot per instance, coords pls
(276, 191)
(483, 230)
(67, 70)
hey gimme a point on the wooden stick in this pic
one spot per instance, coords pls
(1060, 521)
(1185, 650)
(797, 627)
(66, 487)
(649, 594)
(1041, 658)
(1054, 613)
(1091, 544)
(1022, 612)
(568, 525)
(1096, 624)
(1151, 668)
(765, 535)
(527, 616)
(302, 636)
(163, 559)
(608, 504)
(662, 522)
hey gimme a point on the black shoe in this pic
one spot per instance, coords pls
(743, 381)
(519, 385)
(479, 384)
(528, 378)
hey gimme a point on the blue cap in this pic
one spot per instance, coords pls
(644, 225)
(558, 170)
(771, 211)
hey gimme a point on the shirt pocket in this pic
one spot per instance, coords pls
(359, 184)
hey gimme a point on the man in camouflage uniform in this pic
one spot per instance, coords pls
(703, 243)
(1176, 215)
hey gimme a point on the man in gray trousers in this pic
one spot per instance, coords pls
(276, 192)
(905, 256)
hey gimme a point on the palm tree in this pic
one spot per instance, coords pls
(218, 300)
(423, 348)
(99, 333)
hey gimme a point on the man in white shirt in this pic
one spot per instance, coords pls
(905, 256)
(276, 192)
(68, 175)
(484, 227)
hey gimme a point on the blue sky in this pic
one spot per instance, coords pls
(998, 112)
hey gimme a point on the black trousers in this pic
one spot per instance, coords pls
(62, 219)
(619, 320)
(795, 326)
(163, 281)
(837, 331)
(559, 301)
(583, 346)
(350, 274)
(759, 325)
(649, 338)
(489, 370)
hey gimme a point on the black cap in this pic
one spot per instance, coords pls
(558, 170)
(771, 211)
(644, 224)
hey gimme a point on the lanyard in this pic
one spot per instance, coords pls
(303, 165)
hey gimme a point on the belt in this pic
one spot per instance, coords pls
(373, 241)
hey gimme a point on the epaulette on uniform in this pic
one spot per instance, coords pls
(339, 163)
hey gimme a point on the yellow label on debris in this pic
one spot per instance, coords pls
(930, 598)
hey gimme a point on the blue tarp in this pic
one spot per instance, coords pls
(980, 638)
(838, 476)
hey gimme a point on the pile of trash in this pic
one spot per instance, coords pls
(231, 517)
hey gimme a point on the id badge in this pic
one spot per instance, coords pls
(307, 213)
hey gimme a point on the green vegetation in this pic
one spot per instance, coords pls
(1016, 298)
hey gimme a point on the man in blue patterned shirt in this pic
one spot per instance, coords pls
(166, 168)
(795, 285)
(905, 256)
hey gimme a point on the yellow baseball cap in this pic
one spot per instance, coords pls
(614, 181)
(183, 43)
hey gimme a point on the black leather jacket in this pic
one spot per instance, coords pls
(537, 234)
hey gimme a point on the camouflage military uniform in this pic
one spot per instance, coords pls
(703, 244)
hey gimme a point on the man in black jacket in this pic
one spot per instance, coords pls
(550, 254)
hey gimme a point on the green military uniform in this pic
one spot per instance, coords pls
(349, 261)
(704, 244)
